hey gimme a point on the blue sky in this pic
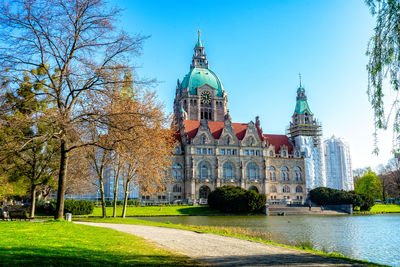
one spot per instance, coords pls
(257, 48)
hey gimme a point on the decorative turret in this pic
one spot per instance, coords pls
(199, 59)
(303, 122)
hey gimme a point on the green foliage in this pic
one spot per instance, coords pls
(330, 196)
(366, 202)
(76, 207)
(369, 185)
(236, 199)
(384, 60)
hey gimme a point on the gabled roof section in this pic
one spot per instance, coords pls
(216, 127)
(278, 140)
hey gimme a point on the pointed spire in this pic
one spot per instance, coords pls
(199, 59)
(199, 43)
(300, 80)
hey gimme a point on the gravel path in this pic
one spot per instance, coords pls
(221, 250)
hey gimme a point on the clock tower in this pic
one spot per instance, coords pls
(200, 95)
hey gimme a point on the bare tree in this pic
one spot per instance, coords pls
(77, 45)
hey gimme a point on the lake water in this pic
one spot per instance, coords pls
(370, 237)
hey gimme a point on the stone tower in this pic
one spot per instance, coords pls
(200, 95)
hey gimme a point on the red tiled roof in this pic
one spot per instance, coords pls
(278, 140)
(216, 128)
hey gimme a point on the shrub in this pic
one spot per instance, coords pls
(329, 196)
(367, 202)
(76, 207)
(236, 199)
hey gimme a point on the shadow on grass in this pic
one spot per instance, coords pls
(72, 256)
(198, 211)
(279, 259)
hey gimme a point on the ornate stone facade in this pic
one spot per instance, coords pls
(214, 151)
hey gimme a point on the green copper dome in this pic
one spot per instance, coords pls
(201, 76)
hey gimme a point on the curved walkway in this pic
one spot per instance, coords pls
(221, 250)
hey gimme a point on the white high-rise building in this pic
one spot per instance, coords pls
(338, 164)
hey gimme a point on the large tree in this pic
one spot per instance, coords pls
(77, 44)
(384, 63)
(369, 185)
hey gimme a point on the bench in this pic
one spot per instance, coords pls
(18, 214)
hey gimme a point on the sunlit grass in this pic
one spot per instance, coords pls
(58, 243)
(158, 211)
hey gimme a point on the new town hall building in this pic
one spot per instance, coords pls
(215, 151)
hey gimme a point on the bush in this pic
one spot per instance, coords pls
(76, 207)
(236, 199)
(366, 202)
(329, 196)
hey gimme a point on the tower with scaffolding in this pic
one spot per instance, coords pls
(305, 132)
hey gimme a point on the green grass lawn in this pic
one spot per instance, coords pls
(158, 211)
(58, 243)
(385, 208)
(382, 208)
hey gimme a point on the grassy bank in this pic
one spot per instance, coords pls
(381, 208)
(158, 211)
(57, 243)
(237, 232)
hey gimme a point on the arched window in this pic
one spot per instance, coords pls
(299, 189)
(252, 171)
(204, 170)
(177, 172)
(272, 189)
(271, 153)
(297, 174)
(272, 173)
(253, 188)
(228, 170)
(177, 188)
(286, 189)
(203, 139)
(285, 173)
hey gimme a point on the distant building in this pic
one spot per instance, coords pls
(338, 164)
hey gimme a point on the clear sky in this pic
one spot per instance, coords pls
(257, 48)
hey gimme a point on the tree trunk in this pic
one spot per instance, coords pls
(33, 200)
(62, 177)
(115, 197)
(103, 197)
(126, 193)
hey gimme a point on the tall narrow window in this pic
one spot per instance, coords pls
(204, 170)
(228, 171)
(252, 171)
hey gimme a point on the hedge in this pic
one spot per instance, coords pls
(76, 207)
(330, 196)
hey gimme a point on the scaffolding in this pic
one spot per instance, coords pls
(310, 129)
